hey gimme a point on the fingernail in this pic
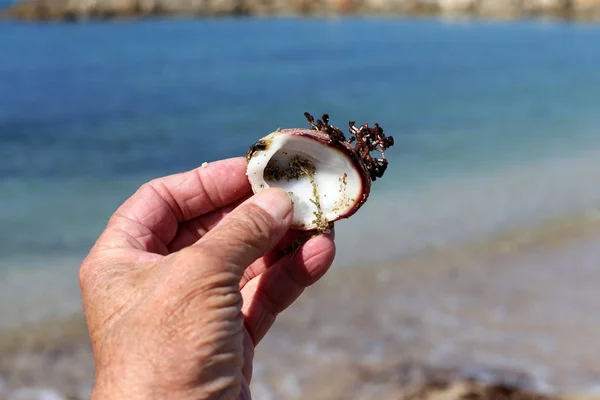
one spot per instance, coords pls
(275, 202)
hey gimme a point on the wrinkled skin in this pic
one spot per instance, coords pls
(186, 279)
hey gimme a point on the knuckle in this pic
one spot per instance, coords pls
(147, 185)
(191, 258)
(114, 219)
(201, 269)
(204, 300)
(187, 253)
(147, 188)
(255, 224)
(97, 270)
(86, 273)
(144, 187)
(83, 275)
(244, 236)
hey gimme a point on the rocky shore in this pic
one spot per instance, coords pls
(75, 10)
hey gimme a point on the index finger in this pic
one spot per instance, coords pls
(155, 210)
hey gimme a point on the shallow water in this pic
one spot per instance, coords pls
(496, 127)
(89, 112)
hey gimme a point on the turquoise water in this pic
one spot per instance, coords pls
(497, 128)
(495, 124)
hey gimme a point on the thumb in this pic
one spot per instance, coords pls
(249, 231)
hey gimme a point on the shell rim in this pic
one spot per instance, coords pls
(342, 147)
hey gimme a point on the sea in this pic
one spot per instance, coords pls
(496, 127)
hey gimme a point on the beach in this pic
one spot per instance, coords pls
(471, 272)
(496, 312)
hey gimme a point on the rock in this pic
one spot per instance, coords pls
(264, 7)
(457, 7)
(85, 9)
(37, 10)
(223, 7)
(416, 7)
(586, 8)
(113, 7)
(499, 9)
(80, 7)
(545, 7)
(35, 394)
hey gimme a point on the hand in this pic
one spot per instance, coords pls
(187, 278)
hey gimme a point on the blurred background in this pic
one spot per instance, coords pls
(473, 268)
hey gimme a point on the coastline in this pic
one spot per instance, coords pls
(475, 259)
(457, 314)
(452, 10)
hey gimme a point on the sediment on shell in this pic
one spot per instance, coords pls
(327, 176)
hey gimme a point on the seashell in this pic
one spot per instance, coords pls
(327, 177)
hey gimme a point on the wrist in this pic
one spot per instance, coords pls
(117, 384)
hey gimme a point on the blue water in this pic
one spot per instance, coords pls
(89, 112)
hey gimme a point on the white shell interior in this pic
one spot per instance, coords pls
(338, 181)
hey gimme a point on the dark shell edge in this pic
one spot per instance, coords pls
(343, 147)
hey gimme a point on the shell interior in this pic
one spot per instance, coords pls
(322, 180)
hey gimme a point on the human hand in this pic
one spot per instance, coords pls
(186, 279)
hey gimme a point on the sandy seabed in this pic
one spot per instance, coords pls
(515, 317)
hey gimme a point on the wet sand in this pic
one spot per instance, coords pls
(519, 311)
